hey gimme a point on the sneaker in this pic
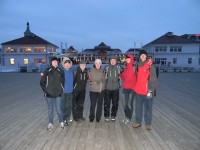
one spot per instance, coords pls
(136, 125)
(148, 127)
(50, 126)
(69, 120)
(62, 125)
(126, 121)
(66, 123)
(113, 119)
(107, 119)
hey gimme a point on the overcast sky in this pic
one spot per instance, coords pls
(84, 24)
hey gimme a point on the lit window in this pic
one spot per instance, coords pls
(12, 61)
(11, 50)
(25, 61)
(39, 49)
(25, 50)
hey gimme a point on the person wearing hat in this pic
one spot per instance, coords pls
(68, 90)
(128, 78)
(97, 88)
(112, 73)
(145, 86)
(52, 83)
(80, 81)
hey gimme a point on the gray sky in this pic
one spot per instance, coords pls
(85, 23)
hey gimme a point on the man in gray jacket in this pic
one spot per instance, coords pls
(112, 73)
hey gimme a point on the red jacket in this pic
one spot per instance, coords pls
(129, 76)
(143, 74)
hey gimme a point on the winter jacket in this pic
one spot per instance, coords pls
(146, 78)
(80, 79)
(52, 82)
(97, 80)
(69, 77)
(129, 76)
(112, 73)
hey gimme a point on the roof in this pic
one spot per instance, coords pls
(169, 38)
(28, 40)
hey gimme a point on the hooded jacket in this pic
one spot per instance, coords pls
(146, 78)
(69, 76)
(80, 79)
(129, 76)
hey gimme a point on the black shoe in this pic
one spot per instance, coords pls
(66, 123)
(82, 119)
(91, 120)
(97, 120)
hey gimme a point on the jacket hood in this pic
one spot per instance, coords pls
(63, 61)
(132, 59)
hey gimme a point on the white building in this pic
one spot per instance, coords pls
(175, 51)
(27, 51)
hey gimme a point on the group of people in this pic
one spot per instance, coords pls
(65, 87)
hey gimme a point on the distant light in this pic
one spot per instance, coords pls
(197, 34)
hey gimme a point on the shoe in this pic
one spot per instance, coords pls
(136, 125)
(113, 119)
(107, 119)
(50, 126)
(66, 123)
(148, 127)
(97, 120)
(82, 119)
(126, 121)
(69, 120)
(62, 125)
(91, 120)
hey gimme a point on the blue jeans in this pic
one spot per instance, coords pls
(128, 102)
(142, 101)
(67, 105)
(57, 102)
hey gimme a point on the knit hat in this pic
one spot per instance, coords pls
(113, 57)
(98, 61)
(142, 52)
(82, 62)
(54, 58)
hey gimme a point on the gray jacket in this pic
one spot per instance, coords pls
(97, 80)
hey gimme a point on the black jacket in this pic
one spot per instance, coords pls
(52, 82)
(80, 79)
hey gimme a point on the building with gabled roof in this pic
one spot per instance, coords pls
(175, 51)
(28, 51)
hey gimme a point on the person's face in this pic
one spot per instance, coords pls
(67, 65)
(82, 66)
(54, 63)
(98, 65)
(143, 57)
(113, 62)
(128, 60)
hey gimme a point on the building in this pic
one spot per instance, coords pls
(101, 51)
(175, 51)
(28, 51)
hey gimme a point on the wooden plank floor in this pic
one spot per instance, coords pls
(176, 119)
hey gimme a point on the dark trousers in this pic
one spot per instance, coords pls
(67, 105)
(96, 99)
(78, 103)
(111, 96)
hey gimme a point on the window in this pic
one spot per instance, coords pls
(25, 50)
(189, 60)
(161, 61)
(39, 49)
(174, 60)
(175, 48)
(39, 60)
(25, 61)
(161, 49)
(12, 61)
(11, 50)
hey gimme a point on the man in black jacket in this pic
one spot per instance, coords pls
(52, 83)
(80, 81)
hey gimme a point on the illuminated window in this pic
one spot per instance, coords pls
(39, 60)
(52, 49)
(25, 61)
(25, 50)
(11, 50)
(12, 61)
(39, 49)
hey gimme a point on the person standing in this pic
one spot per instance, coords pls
(129, 78)
(80, 81)
(145, 86)
(68, 90)
(97, 88)
(52, 83)
(112, 73)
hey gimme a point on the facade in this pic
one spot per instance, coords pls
(175, 51)
(101, 51)
(29, 50)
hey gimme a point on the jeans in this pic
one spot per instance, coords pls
(111, 96)
(57, 102)
(67, 105)
(142, 101)
(128, 102)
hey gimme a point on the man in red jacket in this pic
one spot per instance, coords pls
(129, 78)
(145, 86)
